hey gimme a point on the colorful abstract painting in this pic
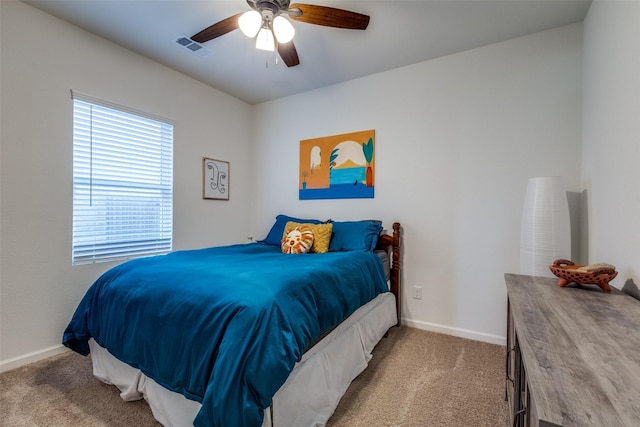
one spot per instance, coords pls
(337, 167)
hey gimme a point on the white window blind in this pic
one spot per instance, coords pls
(122, 183)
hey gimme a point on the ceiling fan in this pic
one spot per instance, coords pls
(273, 31)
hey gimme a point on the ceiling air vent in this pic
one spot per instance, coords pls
(194, 47)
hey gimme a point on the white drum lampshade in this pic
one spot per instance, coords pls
(545, 234)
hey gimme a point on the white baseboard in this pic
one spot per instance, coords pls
(25, 359)
(456, 332)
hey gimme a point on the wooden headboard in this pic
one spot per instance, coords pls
(391, 243)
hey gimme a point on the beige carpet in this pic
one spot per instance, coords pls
(416, 378)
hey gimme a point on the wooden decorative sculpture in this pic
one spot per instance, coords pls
(596, 274)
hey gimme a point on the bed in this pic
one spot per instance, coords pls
(244, 334)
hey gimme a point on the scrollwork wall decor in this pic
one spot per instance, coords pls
(215, 179)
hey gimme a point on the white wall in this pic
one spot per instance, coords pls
(611, 136)
(42, 59)
(456, 140)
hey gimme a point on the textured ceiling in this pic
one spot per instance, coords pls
(400, 33)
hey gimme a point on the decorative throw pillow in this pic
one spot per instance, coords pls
(277, 230)
(297, 241)
(321, 235)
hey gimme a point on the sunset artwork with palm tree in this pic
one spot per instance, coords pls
(337, 167)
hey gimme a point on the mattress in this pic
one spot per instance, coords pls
(308, 397)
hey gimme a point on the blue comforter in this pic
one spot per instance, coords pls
(225, 325)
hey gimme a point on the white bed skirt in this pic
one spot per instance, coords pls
(308, 397)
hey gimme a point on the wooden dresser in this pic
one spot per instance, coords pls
(573, 355)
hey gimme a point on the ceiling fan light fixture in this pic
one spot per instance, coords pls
(250, 23)
(283, 29)
(265, 40)
(270, 24)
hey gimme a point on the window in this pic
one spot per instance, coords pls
(122, 182)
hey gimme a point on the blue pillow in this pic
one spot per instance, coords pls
(355, 236)
(275, 234)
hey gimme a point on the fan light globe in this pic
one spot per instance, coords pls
(283, 29)
(265, 41)
(250, 23)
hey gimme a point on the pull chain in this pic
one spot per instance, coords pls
(266, 61)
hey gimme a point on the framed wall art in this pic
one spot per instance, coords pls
(215, 179)
(337, 167)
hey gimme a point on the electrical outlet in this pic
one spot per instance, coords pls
(417, 292)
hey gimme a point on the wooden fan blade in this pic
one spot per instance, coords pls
(218, 29)
(288, 53)
(328, 16)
